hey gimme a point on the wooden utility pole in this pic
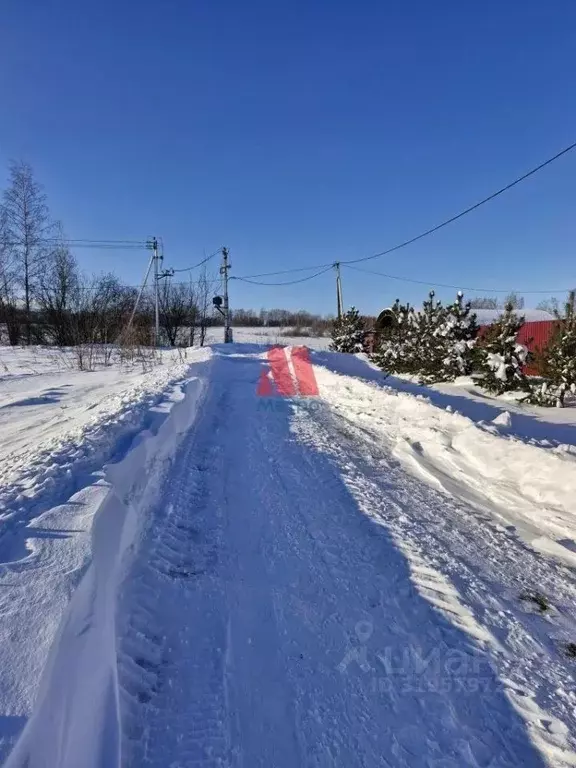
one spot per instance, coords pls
(155, 257)
(226, 307)
(339, 290)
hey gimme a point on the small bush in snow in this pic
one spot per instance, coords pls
(348, 333)
(501, 358)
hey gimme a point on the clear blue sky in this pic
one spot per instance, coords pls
(300, 132)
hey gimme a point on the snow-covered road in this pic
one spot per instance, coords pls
(302, 595)
(271, 622)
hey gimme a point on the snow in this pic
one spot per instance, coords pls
(55, 420)
(527, 487)
(53, 486)
(265, 335)
(498, 365)
(79, 693)
(489, 316)
(504, 419)
(547, 427)
(196, 575)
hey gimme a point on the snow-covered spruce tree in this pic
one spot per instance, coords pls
(557, 362)
(458, 333)
(501, 358)
(348, 333)
(428, 341)
(395, 350)
(434, 344)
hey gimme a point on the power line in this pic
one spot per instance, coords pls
(95, 241)
(442, 224)
(104, 246)
(289, 282)
(447, 285)
(99, 244)
(466, 211)
(286, 271)
(210, 283)
(189, 269)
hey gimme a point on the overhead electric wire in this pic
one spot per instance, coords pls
(104, 246)
(94, 240)
(464, 212)
(442, 224)
(136, 287)
(434, 284)
(207, 258)
(288, 271)
(289, 282)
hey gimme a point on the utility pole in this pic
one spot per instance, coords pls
(153, 244)
(339, 290)
(226, 307)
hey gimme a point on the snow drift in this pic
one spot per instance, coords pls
(76, 718)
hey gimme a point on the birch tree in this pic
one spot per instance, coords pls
(27, 228)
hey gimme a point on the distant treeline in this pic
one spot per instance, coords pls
(282, 318)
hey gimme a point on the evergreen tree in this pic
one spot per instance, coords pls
(558, 361)
(396, 345)
(429, 352)
(501, 358)
(435, 344)
(459, 333)
(348, 333)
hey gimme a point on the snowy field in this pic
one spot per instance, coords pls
(260, 335)
(192, 574)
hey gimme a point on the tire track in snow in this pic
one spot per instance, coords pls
(488, 566)
(173, 589)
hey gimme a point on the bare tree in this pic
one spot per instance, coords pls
(111, 306)
(484, 302)
(194, 314)
(58, 295)
(100, 317)
(177, 309)
(551, 305)
(27, 226)
(10, 312)
(204, 304)
(516, 301)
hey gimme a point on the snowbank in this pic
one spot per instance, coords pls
(553, 428)
(57, 427)
(522, 485)
(53, 489)
(78, 698)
